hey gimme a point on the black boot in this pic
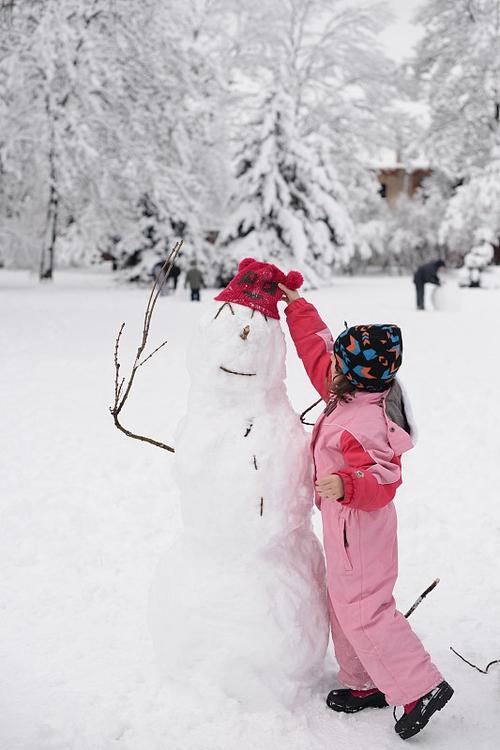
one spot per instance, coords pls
(350, 702)
(417, 715)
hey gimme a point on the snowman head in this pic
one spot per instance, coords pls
(240, 348)
(255, 285)
(243, 349)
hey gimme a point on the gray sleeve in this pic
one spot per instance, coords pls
(395, 408)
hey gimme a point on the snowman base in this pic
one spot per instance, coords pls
(262, 643)
(446, 297)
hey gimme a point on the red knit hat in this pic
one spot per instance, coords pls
(256, 285)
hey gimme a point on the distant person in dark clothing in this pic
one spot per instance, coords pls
(159, 272)
(194, 278)
(426, 274)
(174, 275)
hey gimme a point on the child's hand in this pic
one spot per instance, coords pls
(289, 295)
(330, 487)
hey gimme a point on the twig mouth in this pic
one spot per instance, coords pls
(233, 372)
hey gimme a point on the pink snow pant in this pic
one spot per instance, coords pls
(374, 644)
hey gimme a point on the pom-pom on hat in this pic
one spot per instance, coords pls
(369, 356)
(255, 285)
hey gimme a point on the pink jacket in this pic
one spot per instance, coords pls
(356, 440)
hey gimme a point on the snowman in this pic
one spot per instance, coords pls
(239, 601)
(476, 260)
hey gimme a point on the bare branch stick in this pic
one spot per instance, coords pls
(422, 597)
(117, 364)
(155, 291)
(150, 355)
(483, 671)
(120, 388)
(122, 394)
(311, 424)
(158, 443)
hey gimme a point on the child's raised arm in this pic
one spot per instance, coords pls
(312, 339)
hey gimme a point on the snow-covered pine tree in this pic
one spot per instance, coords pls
(288, 204)
(326, 56)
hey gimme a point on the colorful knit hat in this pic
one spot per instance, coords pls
(369, 356)
(256, 285)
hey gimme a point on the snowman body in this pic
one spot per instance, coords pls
(240, 600)
(446, 296)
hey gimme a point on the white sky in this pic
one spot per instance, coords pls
(400, 37)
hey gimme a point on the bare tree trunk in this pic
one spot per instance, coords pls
(47, 259)
(53, 209)
(6, 9)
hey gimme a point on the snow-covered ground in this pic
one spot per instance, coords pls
(87, 514)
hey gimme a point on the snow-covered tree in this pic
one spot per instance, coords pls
(102, 104)
(65, 146)
(288, 205)
(473, 212)
(369, 215)
(410, 241)
(116, 119)
(412, 225)
(326, 56)
(458, 62)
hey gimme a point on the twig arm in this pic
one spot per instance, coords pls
(121, 393)
(150, 355)
(144, 439)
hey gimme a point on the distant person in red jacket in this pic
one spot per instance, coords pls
(357, 445)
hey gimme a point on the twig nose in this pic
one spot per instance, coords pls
(244, 333)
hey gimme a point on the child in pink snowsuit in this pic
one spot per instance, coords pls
(357, 445)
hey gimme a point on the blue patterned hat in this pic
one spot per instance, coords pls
(369, 356)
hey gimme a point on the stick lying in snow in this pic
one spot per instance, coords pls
(413, 608)
(422, 597)
(483, 671)
(121, 394)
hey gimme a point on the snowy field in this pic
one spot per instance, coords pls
(87, 514)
